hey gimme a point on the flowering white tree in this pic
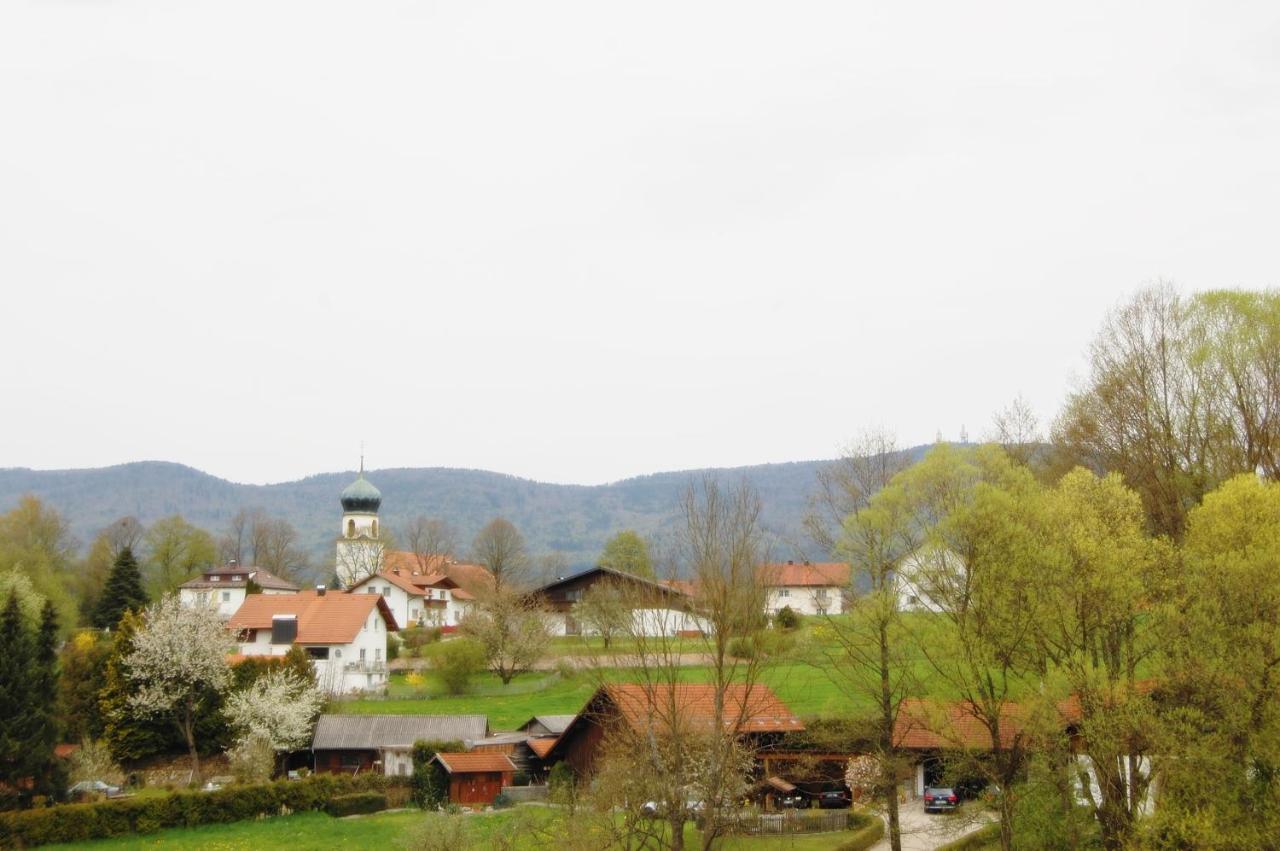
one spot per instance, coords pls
(179, 660)
(279, 706)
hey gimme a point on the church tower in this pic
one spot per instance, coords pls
(359, 544)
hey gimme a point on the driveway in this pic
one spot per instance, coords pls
(923, 832)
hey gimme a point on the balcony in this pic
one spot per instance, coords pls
(374, 667)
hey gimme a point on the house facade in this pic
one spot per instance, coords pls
(656, 608)
(431, 600)
(352, 744)
(344, 634)
(224, 588)
(806, 588)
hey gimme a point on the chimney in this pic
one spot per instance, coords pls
(396, 571)
(320, 589)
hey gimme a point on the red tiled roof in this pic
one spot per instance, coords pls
(65, 750)
(684, 586)
(334, 618)
(468, 763)
(400, 580)
(472, 578)
(541, 746)
(922, 725)
(790, 575)
(758, 707)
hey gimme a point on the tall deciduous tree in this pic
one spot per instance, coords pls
(122, 592)
(175, 551)
(431, 540)
(179, 658)
(629, 553)
(512, 629)
(500, 547)
(36, 541)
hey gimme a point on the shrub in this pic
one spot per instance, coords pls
(742, 648)
(457, 662)
(502, 801)
(786, 618)
(865, 831)
(252, 759)
(393, 648)
(979, 839)
(356, 804)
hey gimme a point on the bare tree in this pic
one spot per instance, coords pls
(512, 628)
(1016, 428)
(127, 532)
(255, 537)
(500, 547)
(845, 485)
(673, 756)
(431, 540)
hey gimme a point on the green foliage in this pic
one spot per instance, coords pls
(357, 803)
(786, 618)
(36, 542)
(430, 783)
(502, 801)
(176, 550)
(865, 831)
(83, 665)
(128, 735)
(561, 781)
(743, 648)
(123, 817)
(979, 840)
(457, 662)
(122, 592)
(629, 553)
(28, 699)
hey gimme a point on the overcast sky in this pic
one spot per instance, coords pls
(582, 241)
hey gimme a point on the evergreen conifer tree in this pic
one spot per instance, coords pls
(15, 695)
(44, 768)
(123, 592)
(128, 735)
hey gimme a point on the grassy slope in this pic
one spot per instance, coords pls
(319, 832)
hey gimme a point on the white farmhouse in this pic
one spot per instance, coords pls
(344, 634)
(926, 579)
(808, 589)
(656, 608)
(418, 599)
(225, 588)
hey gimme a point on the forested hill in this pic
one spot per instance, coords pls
(574, 519)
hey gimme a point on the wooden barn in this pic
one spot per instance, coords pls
(476, 778)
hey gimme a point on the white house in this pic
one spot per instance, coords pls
(928, 577)
(418, 599)
(225, 587)
(808, 589)
(345, 634)
(656, 608)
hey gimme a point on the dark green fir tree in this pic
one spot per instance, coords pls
(122, 593)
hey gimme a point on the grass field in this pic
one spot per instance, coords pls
(319, 832)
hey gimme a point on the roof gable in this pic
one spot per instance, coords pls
(792, 575)
(329, 618)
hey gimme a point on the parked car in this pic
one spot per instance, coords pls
(834, 799)
(796, 800)
(692, 809)
(94, 787)
(940, 799)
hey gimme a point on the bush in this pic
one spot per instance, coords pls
(358, 803)
(430, 784)
(742, 648)
(865, 831)
(252, 759)
(127, 816)
(393, 647)
(786, 618)
(502, 801)
(457, 662)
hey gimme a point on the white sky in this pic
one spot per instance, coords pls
(581, 241)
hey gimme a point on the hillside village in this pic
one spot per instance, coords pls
(1022, 643)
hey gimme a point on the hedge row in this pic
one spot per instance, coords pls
(126, 816)
(356, 803)
(869, 831)
(981, 838)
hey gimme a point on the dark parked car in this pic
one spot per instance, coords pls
(796, 800)
(940, 800)
(836, 799)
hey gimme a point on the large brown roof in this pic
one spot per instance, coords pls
(332, 618)
(473, 579)
(541, 745)
(791, 574)
(263, 578)
(467, 763)
(754, 709)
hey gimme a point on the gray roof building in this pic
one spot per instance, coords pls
(547, 725)
(395, 732)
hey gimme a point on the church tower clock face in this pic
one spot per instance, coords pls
(359, 547)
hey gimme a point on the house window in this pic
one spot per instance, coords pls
(377, 654)
(386, 592)
(213, 579)
(370, 590)
(784, 592)
(413, 614)
(319, 652)
(402, 769)
(226, 596)
(361, 654)
(337, 654)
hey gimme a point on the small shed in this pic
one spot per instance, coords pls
(476, 778)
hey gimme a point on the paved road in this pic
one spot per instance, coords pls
(922, 832)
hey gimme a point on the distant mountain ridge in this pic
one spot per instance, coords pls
(573, 519)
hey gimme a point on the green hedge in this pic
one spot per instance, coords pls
(126, 816)
(868, 832)
(981, 838)
(356, 803)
